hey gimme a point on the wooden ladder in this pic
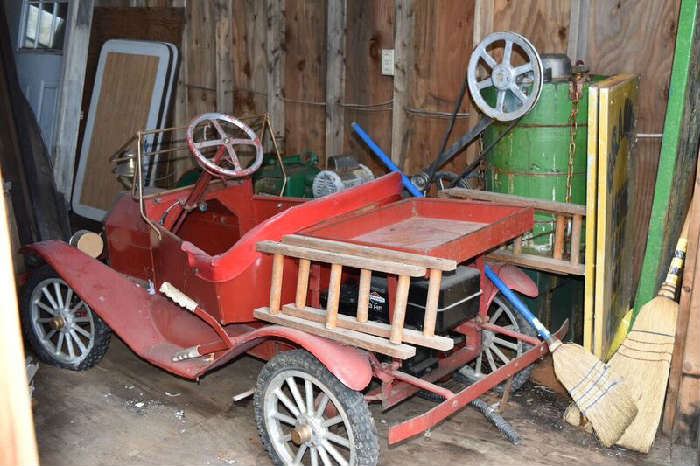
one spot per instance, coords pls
(391, 339)
(569, 217)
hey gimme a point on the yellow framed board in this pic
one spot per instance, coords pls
(614, 290)
(591, 208)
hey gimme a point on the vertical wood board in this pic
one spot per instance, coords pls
(681, 131)
(442, 47)
(637, 36)
(370, 28)
(305, 77)
(545, 23)
(201, 57)
(336, 20)
(249, 57)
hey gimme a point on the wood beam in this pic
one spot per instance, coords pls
(224, 59)
(403, 66)
(336, 19)
(578, 30)
(71, 94)
(275, 66)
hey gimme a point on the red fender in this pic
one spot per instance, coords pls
(515, 278)
(350, 365)
(155, 328)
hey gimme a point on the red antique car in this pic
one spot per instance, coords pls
(357, 297)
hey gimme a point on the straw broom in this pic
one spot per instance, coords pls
(644, 358)
(597, 390)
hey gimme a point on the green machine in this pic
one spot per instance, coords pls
(544, 157)
(300, 170)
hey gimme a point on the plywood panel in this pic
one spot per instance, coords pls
(127, 84)
(637, 36)
(305, 76)
(443, 44)
(370, 28)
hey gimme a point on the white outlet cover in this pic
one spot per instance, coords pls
(388, 62)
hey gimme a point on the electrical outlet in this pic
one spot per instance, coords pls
(388, 62)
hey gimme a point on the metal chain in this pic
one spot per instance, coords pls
(573, 129)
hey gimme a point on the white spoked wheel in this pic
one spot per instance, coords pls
(498, 350)
(307, 416)
(62, 330)
(517, 86)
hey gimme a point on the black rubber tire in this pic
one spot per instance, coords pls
(102, 330)
(353, 402)
(524, 375)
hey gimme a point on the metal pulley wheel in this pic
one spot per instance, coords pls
(517, 78)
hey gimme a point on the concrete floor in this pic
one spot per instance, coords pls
(127, 412)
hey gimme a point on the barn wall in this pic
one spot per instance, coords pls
(227, 45)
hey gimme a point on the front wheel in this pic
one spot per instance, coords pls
(305, 415)
(60, 328)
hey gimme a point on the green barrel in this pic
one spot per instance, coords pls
(532, 160)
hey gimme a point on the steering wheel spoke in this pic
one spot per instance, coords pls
(226, 143)
(232, 156)
(210, 143)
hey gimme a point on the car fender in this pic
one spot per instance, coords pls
(350, 365)
(516, 279)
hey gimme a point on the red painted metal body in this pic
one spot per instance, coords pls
(213, 260)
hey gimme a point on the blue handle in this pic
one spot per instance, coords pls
(519, 305)
(386, 160)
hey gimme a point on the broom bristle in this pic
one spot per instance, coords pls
(643, 360)
(599, 394)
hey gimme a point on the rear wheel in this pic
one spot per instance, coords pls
(60, 328)
(305, 415)
(498, 350)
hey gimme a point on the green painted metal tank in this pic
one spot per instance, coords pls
(532, 160)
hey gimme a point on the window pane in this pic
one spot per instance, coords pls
(45, 25)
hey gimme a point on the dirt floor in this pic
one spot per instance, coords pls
(127, 412)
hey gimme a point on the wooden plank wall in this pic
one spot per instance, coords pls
(610, 35)
(639, 37)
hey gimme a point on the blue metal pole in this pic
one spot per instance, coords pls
(519, 305)
(386, 160)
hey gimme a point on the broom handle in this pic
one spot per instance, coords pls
(520, 306)
(668, 287)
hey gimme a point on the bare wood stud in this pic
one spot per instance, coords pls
(518, 245)
(576, 239)
(302, 282)
(333, 295)
(431, 304)
(363, 296)
(402, 286)
(276, 283)
(559, 235)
